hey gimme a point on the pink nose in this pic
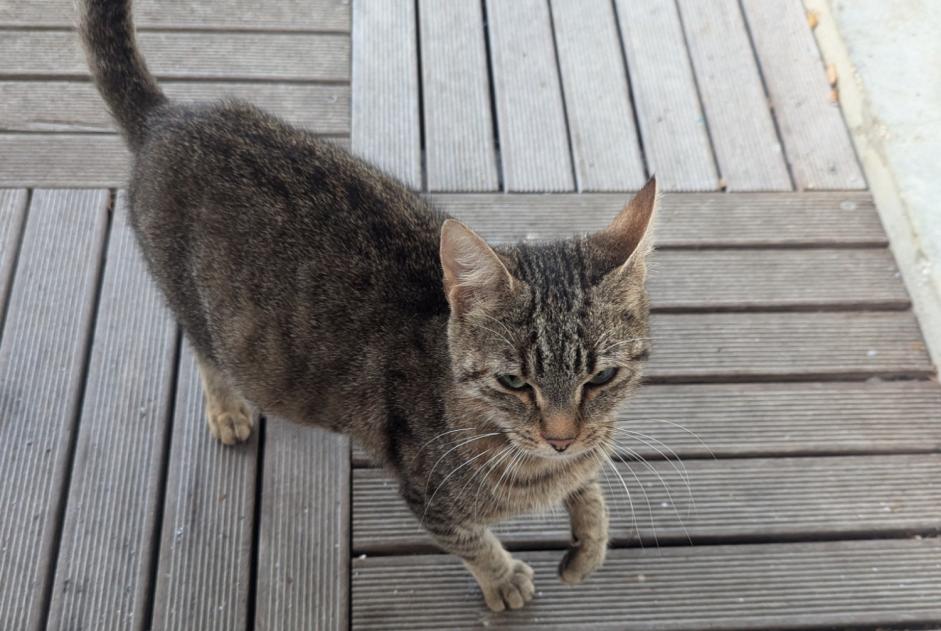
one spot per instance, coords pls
(559, 444)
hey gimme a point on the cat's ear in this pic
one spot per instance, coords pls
(629, 238)
(473, 272)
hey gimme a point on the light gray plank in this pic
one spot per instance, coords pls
(203, 55)
(747, 148)
(386, 125)
(724, 501)
(776, 586)
(206, 542)
(286, 15)
(676, 143)
(42, 359)
(12, 215)
(102, 579)
(530, 113)
(605, 146)
(303, 549)
(815, 138)
(683, 220)
(459, 133)
(73, 106)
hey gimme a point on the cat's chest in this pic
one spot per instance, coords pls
(520, 494)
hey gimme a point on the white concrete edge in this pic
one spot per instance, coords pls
(923, 286)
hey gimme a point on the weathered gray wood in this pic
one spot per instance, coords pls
(102, 579)
(699, 501)
(12, 214)
(42, 360)
(767, 419)
(285, 15)
(676, 143)
(303, 545)
(74, 106)
(747, 148)
(459, 133)
(816, 140)
(683, 220)
(776, 586)
(605, 145)
(206, 541)
(187, 55)
(534, 144)
(386, 124)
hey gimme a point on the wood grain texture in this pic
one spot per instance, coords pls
(303, 545)
(748, 151)
(683, 220)
(776, 586)
(102, 577)
(42, 369)
(204, 566)
(534, 144)
(672, 126)
(386, 123)
(12, 215)
(815, 137)
(605, 145)
(459, 133)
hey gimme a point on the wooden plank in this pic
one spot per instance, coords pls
(73, 106)
(725, 501)
(459, 134)
(42, 360)
(605, 144)
(303, 549)
(206, 542)
(684, 220)
(676, 142)
(202, 55)
(773, 419)
(386, 124)
(530, 112)
(102, 579)
(12, 215)
(747, 148)
(776, 586)
(815, 137)
(286, 15)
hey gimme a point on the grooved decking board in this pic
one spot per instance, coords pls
(284, 15)
(203, 55)
(704, 587)
(386, 124)
(816, 140)
(725, 500)
(747, 148)
(12, 214)
(206, 540)
(683, 220)
(764, 419)
(672, 126)
(303, 549)
(42, 361)
(534, 144)
(73, 106)
(102, 577)
(605, 146)
(459, 134)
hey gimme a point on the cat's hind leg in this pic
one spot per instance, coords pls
(230, 417)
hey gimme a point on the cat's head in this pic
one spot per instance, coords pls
(547, 339)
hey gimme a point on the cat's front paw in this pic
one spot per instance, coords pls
(514, 591)
(580, 560)
(230, 426)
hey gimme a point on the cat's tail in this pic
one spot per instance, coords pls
(120, 73)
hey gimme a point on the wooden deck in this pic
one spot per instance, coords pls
(784, 342)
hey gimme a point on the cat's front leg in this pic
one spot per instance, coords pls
(589, 517)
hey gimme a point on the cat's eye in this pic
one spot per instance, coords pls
(603, 376)
(513, 382)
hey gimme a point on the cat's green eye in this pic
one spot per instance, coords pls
(513, 382)
(602, 377)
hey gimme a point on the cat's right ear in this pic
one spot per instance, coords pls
(473, 273)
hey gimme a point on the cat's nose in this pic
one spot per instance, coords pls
(559, 444)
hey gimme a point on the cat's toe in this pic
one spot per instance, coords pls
(514, 591)
(579, 561)
(230, 428)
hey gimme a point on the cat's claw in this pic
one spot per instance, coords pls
(230, 427)
(513, 592)
(579, 561)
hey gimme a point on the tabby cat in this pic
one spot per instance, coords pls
(314, 287)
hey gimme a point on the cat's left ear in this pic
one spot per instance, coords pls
(629, 238)
(474, 275)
